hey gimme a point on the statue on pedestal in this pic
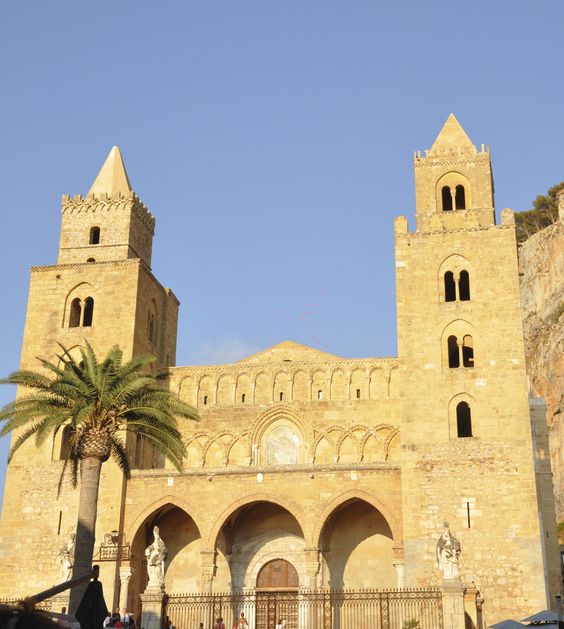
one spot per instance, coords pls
(448, 552)
(156, 555)
(66, 559)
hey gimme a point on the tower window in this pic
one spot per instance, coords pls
(94, 236)
(460, 198)
(358, 394)
(453, 356)
(447, 199)
(281, 396)
(463, 420)
(243, 398)
(464, 286)
(75, 312)
(319, 394)
(88, 312)
(467, 351)
(205, 400)
(450, 287)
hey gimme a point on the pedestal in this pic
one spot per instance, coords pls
(152, 607)
(453, 604)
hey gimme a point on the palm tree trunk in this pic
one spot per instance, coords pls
(90, 469)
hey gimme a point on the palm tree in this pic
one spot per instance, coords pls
(96, 403)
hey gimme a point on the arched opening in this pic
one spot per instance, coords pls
(88, 312)
(453, 354)
(151, 327)
(467, 351)
(251, 537)
(463, 420)
(277, 595)
(450, 287)
(182, 539)
(446, 198)
(460, 197)
(278, 574)
(464, 286)
(66, 442)
(75, 312)
(91, 260)
(357, 548)
(94, 236)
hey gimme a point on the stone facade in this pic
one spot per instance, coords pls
(340, 471)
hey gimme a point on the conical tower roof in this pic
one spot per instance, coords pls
(452, 137)
(112, 178)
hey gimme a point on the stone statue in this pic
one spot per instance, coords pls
(66, 559)
(448, 552)
(156, 555)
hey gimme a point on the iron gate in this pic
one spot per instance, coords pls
(335, 609)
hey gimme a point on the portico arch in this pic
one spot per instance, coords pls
(252, 532)
(365, 496)
(182, 537)
(357, 546)
(288, 505)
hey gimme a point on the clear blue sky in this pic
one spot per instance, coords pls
(273, 142)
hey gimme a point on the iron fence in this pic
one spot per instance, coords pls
(336, 609)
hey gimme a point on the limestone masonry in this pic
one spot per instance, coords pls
(338, 472)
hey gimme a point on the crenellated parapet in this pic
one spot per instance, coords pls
(105, 202)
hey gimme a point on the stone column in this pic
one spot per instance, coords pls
(152, 607)
(399, 574)
(311, 568)
(453, 604)
(125, 574)
(207, 571)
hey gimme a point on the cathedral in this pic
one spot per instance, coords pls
(309, 471)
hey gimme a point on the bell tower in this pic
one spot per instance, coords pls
(466, 440)
(101, 290)
(109, 223)
(453, 182)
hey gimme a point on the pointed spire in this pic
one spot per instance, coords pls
(452, 138)
(112, 178)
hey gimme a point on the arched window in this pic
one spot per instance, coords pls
(460, 198)
(91, 260)
(75, 312)
(151, 327)
(453, 355)
(94, 235)
(464, 286)
(88, 312)
(66, 441)
(463, 420)
(447, 199)
(468, 351)
(450, 287)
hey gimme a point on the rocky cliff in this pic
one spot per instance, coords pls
(541, 261)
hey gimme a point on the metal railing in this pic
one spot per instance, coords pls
(320, 609)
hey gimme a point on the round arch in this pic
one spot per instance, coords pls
(359, 494)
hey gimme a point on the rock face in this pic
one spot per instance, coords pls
(541, 261)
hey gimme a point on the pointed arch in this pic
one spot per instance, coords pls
(292, 508)
(393, 521)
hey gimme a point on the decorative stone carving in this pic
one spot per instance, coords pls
(156, 554)
(448, 552)
(66, 559)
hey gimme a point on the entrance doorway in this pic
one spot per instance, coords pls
(277, 595)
